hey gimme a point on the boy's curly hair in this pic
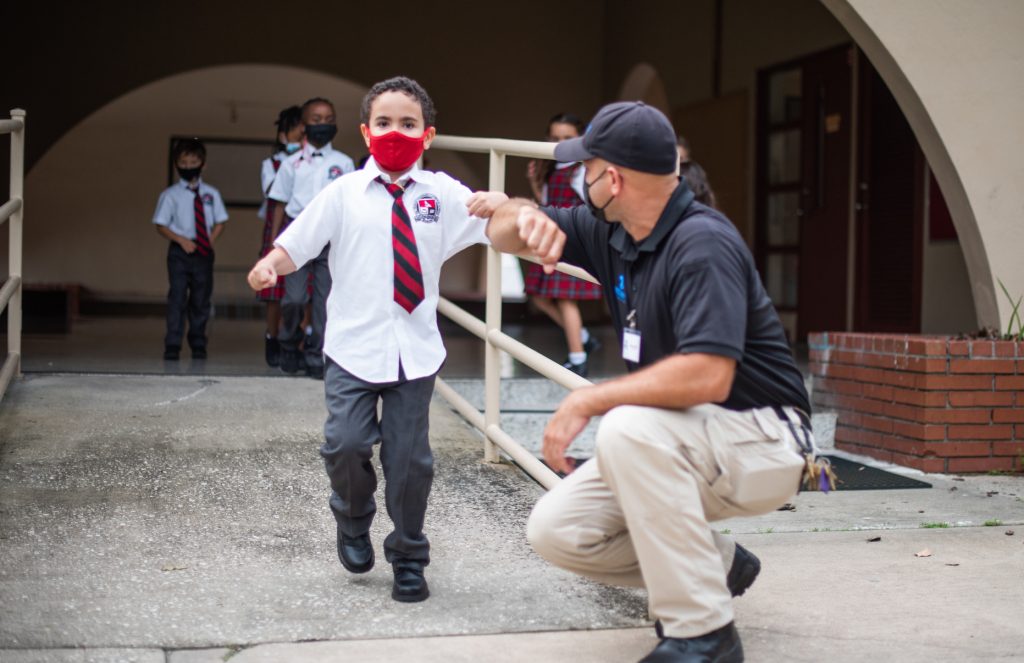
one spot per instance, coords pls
(400, 84)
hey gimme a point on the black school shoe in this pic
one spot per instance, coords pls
(172, 353)
(291, 361)
(355, 553)
(272, 351)
(578, 369)
(592, 345)
(315, 372)
(720, 646)
(410, 585)
(199, 353)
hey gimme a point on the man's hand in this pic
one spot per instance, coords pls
(483, 203)
(263, 275)
(187, 245)
(568, 421)
(542, 236)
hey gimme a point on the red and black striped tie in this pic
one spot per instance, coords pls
(408, 274)
(202, 236)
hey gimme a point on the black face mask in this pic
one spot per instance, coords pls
(320, 134)
(594, 209)
(189, 174)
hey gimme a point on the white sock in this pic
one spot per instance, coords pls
(577, 357)
(585, 335)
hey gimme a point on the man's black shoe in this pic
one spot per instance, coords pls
(290, 361)
(410, 585)
(272, 351)
(355, 552)
(315, 372)
(172, 353)
(720, 646)
(743, 572)
(199, 353)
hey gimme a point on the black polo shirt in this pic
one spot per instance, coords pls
(695, 288)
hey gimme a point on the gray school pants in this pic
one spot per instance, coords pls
(296, 294)
(352, 429)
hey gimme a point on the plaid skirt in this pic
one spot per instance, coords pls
(558, 285)
(276, 292)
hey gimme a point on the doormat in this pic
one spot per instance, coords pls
(852, 476)
(857, 476)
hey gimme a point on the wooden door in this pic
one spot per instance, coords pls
(803, 189)
(890, 213)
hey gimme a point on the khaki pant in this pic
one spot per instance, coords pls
(637, 514)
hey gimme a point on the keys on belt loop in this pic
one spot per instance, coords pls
(818, 473)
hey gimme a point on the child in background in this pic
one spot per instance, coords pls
(556, 294)
(390, 227)
(300, 178)
(191, 215)
(697, 180)
(290, 131)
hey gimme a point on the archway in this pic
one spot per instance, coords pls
(93, 193)
(964, 139)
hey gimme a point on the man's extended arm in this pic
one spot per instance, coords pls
(519, 227)
(676, 382)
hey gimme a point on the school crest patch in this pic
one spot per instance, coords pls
(334, 172)
(207, 198)
(428, 209)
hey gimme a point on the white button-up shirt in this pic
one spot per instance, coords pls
(305, 174)
(367, 331)
(175, 208)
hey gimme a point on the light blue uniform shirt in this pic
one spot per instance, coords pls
(175, 208)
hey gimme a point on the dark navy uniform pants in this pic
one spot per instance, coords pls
(191, 284)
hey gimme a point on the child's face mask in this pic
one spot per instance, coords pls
(292, 148)
(320, 134)
(189, 174)
(395, 152)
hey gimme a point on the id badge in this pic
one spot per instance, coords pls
(631, 345)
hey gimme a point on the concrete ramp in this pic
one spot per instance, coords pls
(182, 512)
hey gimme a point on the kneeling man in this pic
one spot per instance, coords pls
(712, 420)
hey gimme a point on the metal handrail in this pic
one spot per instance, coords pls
(12, 210)
(489, 329)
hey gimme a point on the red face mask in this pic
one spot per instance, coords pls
(395, 151)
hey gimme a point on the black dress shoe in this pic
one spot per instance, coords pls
(172, 353)
(355, 553)
(199, 353)
(743, 572)
(290, 361)
(272, 351)
(720, 646)
(410, 585)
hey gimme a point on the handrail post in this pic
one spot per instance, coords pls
(15, 244)
(492, 318)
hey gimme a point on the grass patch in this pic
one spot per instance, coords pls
(995, 522)
(934, 525)
(727, 531)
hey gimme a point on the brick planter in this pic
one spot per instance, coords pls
(928, 402)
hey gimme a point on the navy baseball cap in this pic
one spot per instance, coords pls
(630, 134)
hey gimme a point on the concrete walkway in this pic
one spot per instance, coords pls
(184, 519)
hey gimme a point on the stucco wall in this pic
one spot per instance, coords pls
(954, 66)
